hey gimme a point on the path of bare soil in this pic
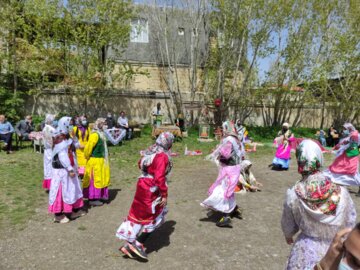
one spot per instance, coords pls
(188, 240)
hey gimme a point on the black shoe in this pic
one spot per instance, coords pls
(224, 222)
(138, 250)
(236, 213)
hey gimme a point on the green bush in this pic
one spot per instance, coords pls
(266, 134)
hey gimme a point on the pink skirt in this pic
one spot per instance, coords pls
(46, 184)
(93, 193)
(59, 206)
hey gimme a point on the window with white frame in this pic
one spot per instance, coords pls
(139, 31)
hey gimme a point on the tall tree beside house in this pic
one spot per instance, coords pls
(179, 31)
(280, 95)
(90, 28)
(241, 31)
(335, 70)
(52, 45)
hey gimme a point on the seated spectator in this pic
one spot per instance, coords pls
(6, 131)
(24, 127)
(123, 123)
(110, 122)
(180, 122)
(321, 137)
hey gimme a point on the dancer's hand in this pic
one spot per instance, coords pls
(163, 202)
(333, 255)
(72, 174)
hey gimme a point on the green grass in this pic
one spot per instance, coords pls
(22, 173)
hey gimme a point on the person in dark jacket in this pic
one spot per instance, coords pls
(24, 127)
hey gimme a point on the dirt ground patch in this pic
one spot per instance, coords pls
(188, 240)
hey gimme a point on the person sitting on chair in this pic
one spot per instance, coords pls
(123, 123)
(6, 131)
(24, 127)
(110, 122)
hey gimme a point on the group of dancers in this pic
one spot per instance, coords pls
(73, 153)
(317, 206)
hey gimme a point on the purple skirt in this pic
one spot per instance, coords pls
(93, 193)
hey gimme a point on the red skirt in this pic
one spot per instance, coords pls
(145, 208)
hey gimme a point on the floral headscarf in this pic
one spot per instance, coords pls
(319, 193)
(229, 129)
(162, 145)
(309, 157)
(316, 191)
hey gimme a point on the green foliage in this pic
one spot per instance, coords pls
(268, 134)
(11, 104)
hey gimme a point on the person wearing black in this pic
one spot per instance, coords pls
(110, 121)
(24, 127)
(333, 137)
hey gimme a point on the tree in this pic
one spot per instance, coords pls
(179, 47)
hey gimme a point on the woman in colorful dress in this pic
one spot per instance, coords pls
(65, 196)
(82, 132)
(345, 168)
(221, 193)
(247, 181)
(48, 131)
(148, 209)
(315, 207)
(97, 174)
(283, 141)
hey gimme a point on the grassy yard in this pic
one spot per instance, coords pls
(22, 173)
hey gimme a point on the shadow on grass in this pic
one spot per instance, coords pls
(161, 237)
(112, 194)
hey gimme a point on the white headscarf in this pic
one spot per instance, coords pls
(63, 126)
(49, 118)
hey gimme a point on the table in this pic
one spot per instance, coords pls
(172, 129)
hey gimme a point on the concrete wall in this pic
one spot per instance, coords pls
(139, 108)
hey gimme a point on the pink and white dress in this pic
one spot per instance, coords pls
(345, 169)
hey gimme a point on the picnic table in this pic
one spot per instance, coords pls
(172, 129)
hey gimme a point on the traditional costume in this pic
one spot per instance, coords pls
(48, 131)
(65, 194)
(247, 181)
(221, 193)
(345, 168)
(82, 132)
(148, 209)
(283, 141)
(97, 174)
(316, 207)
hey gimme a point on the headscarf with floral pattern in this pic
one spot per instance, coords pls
(316, 191)
(309, 157)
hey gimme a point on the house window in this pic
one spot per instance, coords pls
(181, 31)
(139, 31)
